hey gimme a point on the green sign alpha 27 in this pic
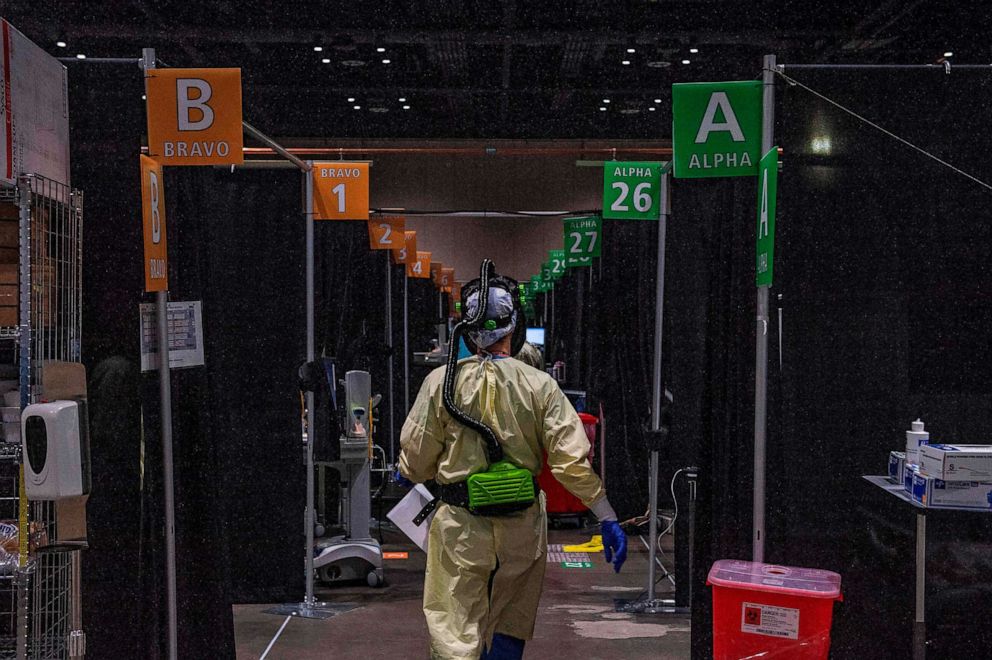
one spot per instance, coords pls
(583, 240)
(716, 129)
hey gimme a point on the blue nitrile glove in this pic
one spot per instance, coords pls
(400, 480)
(614, 543)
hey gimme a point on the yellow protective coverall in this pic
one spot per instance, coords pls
(529, 413)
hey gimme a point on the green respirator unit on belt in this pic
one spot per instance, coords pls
(503, 487)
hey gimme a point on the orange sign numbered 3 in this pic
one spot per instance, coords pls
(153, 225)
(420, 267)
(340, 191)
(387, 232)
(407, 252)
(194, 116)
(436, 267)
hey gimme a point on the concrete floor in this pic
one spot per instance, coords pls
(576, 617)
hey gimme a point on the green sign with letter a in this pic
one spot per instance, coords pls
(582, 240)
(631, 191)
(716, 129)
(765, 235)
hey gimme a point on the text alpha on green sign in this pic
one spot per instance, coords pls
(631, 191)
(582, 240)
(716, 129)
(765, 234)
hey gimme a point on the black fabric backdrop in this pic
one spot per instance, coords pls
(882, 262)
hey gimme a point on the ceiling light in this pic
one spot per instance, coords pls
(693, 50)
(948, 54)
(657, 100)
(625, 62)
(820, 145)
(606, 100)
(602, 108)
(651, 108)
(318, 48)
(351, 99)
(380, 49)
(631, 50)
(60, 44)
(402, 99)
(80, 56)
(326, 60)
(685, 61)
(357, 107)
(385, 61)
(143, 97)
(658, 64)
(406, 107)
(353, 63)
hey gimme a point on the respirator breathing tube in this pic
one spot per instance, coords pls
(493, 449)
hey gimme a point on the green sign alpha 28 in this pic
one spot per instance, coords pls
(716, 129)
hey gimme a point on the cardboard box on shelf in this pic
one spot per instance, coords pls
(932, 492)
(897, 462)
(957, 462)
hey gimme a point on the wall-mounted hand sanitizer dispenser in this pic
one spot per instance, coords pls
(55, 439)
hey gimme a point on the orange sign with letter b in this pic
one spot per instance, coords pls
(153, 225)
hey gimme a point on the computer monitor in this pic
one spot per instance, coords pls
(535, 336)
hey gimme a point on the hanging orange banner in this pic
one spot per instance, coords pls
(436, 267)
(194, 116)
(340, 191)
(447, 278)
(407, 253)
(153, 226)
(421, 266)
(387, 232)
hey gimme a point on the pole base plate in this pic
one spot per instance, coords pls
(658, 606)
(317, 610)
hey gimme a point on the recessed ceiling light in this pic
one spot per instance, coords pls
(652, 108)
(406, 107)
(352, 63)
(685, 62)
(80, 56)
(693, 50)
(351, 99)
(657, 100)
(606, 100)
(602, 108)
(385, 61)
(631, 50)
(625, 62)
(143, 97)
(658, 64)
(60, 44)
(357, 107)
(318, 48)
(326, 60)
(380, 49)
(402, 99)
(948, 54)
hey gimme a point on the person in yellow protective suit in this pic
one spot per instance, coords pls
(531, 354)
(484, 573)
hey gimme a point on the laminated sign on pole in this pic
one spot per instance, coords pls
(716, 129)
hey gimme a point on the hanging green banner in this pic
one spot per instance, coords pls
(556, 259)
(765, 234)
(716, 129)
(631, 191)
(583, 238)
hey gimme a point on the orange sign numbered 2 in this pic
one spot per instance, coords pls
(153, 224)
(340, 191)
(447, 278)
(194, 116)
(407, 252)
(420, 267)
(387, 232)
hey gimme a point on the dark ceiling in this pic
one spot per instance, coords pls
(481, 68)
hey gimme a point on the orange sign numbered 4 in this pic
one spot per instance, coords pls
(340, 191)
(387, 232)
(407, 252)
(153, 224)
(194, 116)
(420, 267)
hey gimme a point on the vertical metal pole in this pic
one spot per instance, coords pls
(25, 341)
(761, 337)
(406, 342)
(920, 619)
(165, 399)
(389, 365)
(656, 384)
(308, 516)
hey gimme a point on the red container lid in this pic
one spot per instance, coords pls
(588, 419)
(789, 580)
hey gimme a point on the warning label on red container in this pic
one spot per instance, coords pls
(768, 620)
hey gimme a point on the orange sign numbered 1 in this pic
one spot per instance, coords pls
(194, 116)
(420, 267)
(153, 224)
(407, 252)
(387, 232)
(341, 191)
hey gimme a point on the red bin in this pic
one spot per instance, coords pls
(771, 611)
(559, 500)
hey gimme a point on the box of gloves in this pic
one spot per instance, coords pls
(957, 462)
(897, 461)
(933, 492)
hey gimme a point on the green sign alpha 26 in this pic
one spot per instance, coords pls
(631, 191)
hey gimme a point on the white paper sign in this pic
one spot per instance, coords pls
(185, 336)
